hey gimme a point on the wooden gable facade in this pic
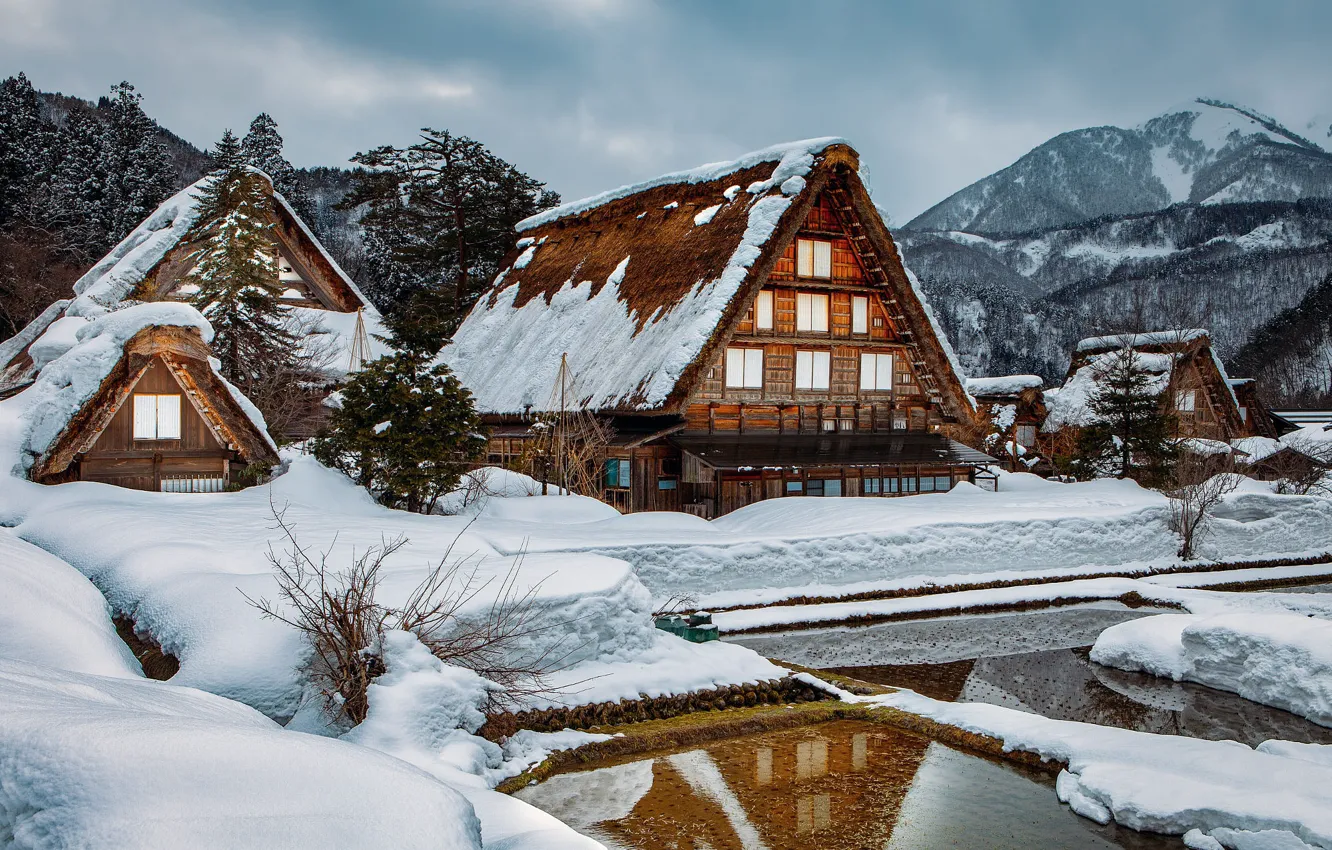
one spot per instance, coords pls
(162, 420)
(823, 377)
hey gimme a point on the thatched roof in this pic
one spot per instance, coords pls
(640, 286)
(147, 264)
(76, 395)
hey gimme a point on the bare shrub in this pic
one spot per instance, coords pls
(508, 642)
(677, 603)
(1303, 468)
(1198, 484)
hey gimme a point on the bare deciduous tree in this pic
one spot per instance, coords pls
(1198, 484)
(511, 641)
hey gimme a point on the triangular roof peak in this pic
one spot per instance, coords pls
(638, 286)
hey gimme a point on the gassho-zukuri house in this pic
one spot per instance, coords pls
(136, 402)
(151, 264)
(747, 329)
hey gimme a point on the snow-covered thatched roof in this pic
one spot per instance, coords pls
(67, 385)
(1004, 385)
(145, 265)
(640, 285)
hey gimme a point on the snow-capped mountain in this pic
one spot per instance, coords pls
(1205, 152)
(1210, 215)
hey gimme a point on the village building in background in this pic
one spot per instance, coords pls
(329, 311)
(738, 332)
(1014, 407)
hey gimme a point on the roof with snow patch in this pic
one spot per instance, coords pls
(638, 286)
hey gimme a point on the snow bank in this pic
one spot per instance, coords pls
(87, 761)
(1159, 783)
(1278, 659)
(183, 564)
(51, 615)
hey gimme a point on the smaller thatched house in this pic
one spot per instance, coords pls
(1258, 418)
(135, 402)
(1014, 406)
(1182, 370)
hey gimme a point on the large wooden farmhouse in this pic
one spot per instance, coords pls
(746, 330)
(150, 264)
(136, 403)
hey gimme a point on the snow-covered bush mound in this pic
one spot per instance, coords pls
(1278, 659)
(50, 614)
(182, 565)
(87, 761)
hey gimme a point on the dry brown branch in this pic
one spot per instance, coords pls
(1199, 483)
(513, 642)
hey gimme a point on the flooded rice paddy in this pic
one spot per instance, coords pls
(844, 784)
(852, 784)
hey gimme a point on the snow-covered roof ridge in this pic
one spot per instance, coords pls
(794, 160)
(1134, 340)
(68, 382)
(1004, 384)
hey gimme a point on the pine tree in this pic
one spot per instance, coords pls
(440, 216)
(237, 278)
(262, 148)
(27, 147)
(227, 154)
(79, 206)
(405, 429)
(137, 165)
(1131, 435)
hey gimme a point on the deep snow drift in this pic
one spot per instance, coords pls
(1278, 659)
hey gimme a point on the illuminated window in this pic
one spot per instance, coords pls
(763, 311)
(859, 314)
(813, 369)
(813, 258)
(744, 368)
(876, 371)
(811, 312)
(156, 417)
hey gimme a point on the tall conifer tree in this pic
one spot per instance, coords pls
(1131, 437)
(237, 278)
(262, 148)
(137, 165)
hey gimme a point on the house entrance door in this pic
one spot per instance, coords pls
(738, 491)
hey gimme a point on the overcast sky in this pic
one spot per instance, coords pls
(590, 94)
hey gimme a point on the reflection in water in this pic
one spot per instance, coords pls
(1064, 685)
(844, 784)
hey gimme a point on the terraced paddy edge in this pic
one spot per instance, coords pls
(999, 584)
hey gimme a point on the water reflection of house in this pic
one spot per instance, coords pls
(837, 785)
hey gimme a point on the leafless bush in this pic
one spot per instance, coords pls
(677, 603)
(290, 390)
(339, 615)
(1198, 484)
(1302, 468)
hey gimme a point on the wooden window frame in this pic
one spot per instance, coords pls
(765, 305)
(814, 258)
(807, 314)
(173, 418)
(876, 374)
(813, 357)
(747, 360)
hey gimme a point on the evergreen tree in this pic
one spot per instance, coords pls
(237, 277)
(227, 154)
(137, 166)
(262, 148)
(440, 216)
(1131, 435)
(405, 429)
(27, 145)
(79, 200)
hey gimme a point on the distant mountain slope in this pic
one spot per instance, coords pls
(1016, 304)
(1205, 152)
(1291, 353)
